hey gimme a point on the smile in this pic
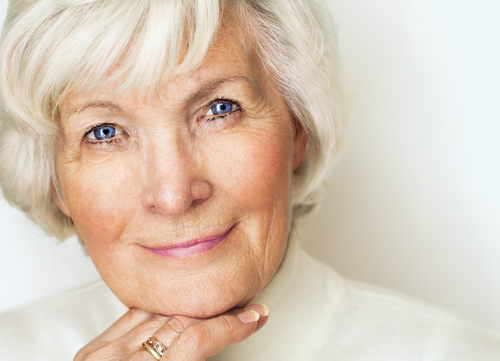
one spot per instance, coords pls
(192, 247)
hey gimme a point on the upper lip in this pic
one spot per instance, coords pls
(193, 241)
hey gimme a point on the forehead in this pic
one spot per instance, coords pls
(228, 61)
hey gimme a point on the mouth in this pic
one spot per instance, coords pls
(190, 248)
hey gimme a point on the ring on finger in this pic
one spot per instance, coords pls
(154, 347)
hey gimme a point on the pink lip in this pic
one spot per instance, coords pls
(192, 247)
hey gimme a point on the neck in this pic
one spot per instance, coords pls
(303, 299)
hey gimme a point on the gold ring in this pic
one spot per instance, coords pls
(151, 351)
(155, 347)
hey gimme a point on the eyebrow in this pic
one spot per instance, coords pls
(106, 104)
(208, 89)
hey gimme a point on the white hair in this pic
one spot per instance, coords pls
(50, 48)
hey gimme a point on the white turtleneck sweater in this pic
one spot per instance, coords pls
(315, 314)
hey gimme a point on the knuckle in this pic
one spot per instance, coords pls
(133, 314)
(229, 326)
(193, 338)
(177, 324)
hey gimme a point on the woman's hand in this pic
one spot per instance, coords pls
(186, 338)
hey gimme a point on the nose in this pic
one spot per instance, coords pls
(175, 183)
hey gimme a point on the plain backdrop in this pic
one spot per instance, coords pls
(415, 202)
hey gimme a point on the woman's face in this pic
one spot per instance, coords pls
(183, 201)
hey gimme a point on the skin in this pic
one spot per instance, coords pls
(172, 174)
(187, 339)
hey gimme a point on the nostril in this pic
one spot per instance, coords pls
(200, 191)
(176, 198)
(196, 202)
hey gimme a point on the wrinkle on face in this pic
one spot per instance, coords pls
(114, 194)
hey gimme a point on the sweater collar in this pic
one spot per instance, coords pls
(303, 299)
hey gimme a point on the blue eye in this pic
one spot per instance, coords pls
(101, 133)
(221, 108)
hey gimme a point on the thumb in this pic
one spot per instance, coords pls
(206, 338)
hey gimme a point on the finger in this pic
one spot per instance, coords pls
(173, 328)
(177, 324)
(139, 334)
(129, 343)
(204, 339)
(131, 319)
(262, 310)
(164, 328)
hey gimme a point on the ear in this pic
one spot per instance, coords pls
(58, 201)
(300, 144)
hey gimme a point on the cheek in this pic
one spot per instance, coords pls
(97, 195)
(253, 167)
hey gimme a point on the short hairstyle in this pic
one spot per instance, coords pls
(50, 48)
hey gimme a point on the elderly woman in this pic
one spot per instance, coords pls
(182, 140)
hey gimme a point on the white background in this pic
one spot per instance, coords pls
(415, 203)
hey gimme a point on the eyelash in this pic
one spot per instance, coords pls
(207, 107)
(103, 141)
(98, 142)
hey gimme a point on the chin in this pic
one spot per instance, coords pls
(194, 303)
(197, 309)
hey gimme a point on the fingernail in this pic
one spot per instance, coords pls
(266, 310)
(249, 316)
(262, 309)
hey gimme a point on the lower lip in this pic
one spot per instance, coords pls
(190, 249)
